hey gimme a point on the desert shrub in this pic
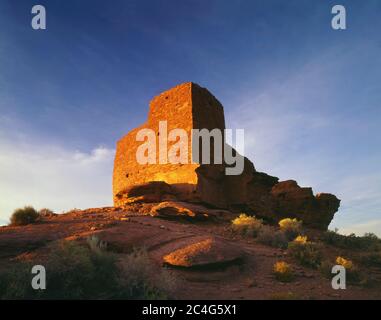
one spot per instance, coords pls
(96, 245)
(68, 270)
(372, 259)
(276, 239)
(23, 216)
(45, 212)
(347, 264)
(74, 271)
(283, 271)
(15, 282)
(139, 277)
(368, 241)
(291, 227)
(352, 271)
(325, 268)
(247, 225)
(305, 252)
(301, 239)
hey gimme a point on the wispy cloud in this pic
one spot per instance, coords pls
(361, 203)
(54, 177)
(284, 116)
(373, 226)
(296, 128)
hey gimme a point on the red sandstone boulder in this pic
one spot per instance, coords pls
(208, 252)
(290, 200)
(175, 210)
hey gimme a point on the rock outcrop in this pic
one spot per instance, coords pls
(188, 106)
(208, 252)
(289, 199)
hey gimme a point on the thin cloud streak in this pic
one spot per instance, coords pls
(295, 130)
(53, 177)
(373, 226)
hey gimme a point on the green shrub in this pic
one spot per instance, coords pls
(15, 283)
(247, 225)
(325, 269)
(23, 216)
(367, 242)
(75, 271)
(290, 227)
(372, 259)
(306, 253)
(276, 239)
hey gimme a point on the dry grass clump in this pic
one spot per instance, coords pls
(139, 278)
(283, 271)
(269, 237)
(247, 225)
(45, 212)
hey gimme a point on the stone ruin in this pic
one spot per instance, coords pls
(189, 106)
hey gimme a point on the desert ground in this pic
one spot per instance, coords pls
(236, 266)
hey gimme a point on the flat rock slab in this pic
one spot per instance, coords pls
(178, 209)
(207, 252)
(171, 209)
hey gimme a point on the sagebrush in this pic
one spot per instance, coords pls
(247, 225)
(305, 252)
(24, 216)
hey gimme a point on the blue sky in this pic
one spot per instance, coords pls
(307, 96)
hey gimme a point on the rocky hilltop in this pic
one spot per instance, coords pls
(189, 106)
